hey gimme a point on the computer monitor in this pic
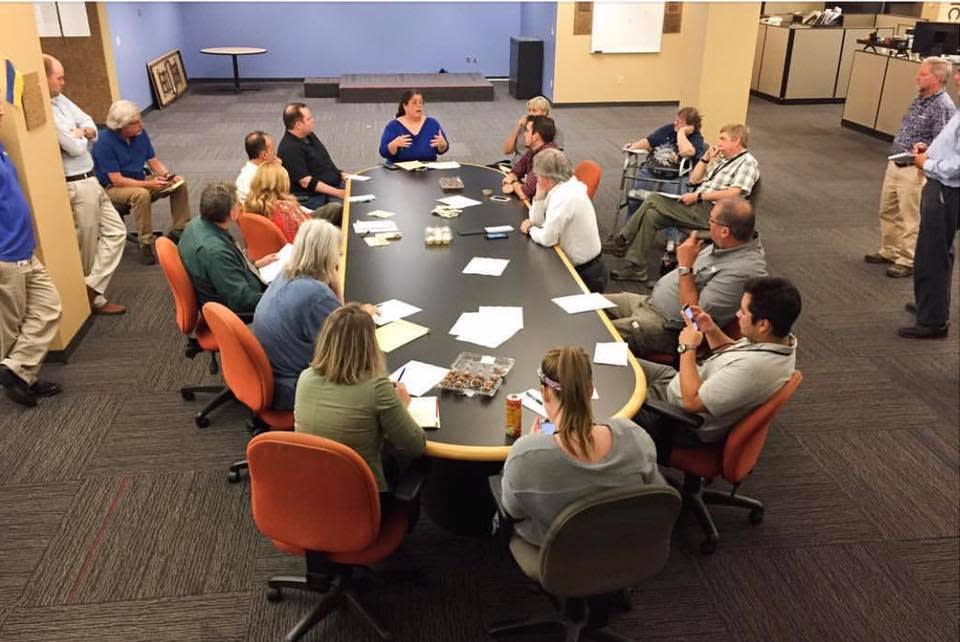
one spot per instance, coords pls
(936, 38)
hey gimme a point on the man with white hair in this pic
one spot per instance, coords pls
(119, 157)
(902, 183)
(562, 213)
(100, 230)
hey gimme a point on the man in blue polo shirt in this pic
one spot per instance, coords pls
(29, 302)
(119, 156)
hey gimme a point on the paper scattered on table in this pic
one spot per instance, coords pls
(611, 354)
(376, 240)
(392, 310)
(410, 165)
(503, 314)
(425, 411)
(357, 177)
(490, 326)
(583, 302)
(381, 214)
(400, 332)
(363, 198)
(486, 267)
(270, 272)
(459, 201)
(419, 377)
(493, 229)
(443, 165)
(374, 227)
(445, 211)
(533, 401)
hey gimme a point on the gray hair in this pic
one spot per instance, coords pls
(553, 165)
(121, 114)
(541, 103)
(217, 200)
(939, 67)
(316, 251)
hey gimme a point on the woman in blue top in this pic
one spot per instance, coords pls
(412, 136)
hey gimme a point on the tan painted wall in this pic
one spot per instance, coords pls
(36, 154)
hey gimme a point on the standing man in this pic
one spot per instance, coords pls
(939, 221)
(259, 148)
(29, 302)
(100, 230)
(314, 176)
(900, 194)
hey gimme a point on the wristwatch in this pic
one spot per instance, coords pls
(684, 270)
(684, 347)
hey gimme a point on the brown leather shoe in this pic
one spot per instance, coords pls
(877, 259)
(146, 255)
(899, 271)
(108, 309)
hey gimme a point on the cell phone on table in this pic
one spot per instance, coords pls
(688, 312)
(390, 166)
(491, 236)
(547, 428)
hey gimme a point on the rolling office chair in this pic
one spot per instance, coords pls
(597, 545)
(317, 498)
(261, 234)
(588, 172)
(733, 459)
(191, 325)
(247, 372)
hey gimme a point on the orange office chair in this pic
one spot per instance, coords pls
(733, 459)
(317, 498)
(247, 372)
(191, 325)
(261, 234)
(588, 172)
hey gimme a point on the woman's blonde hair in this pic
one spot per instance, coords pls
(347, 352)
(567, 373)
(316, 251)
(270, 184)
(541, 103)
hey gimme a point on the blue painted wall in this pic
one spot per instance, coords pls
(141, 31)
(539, 20)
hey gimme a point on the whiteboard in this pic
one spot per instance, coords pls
(630, 27)
(73, 18)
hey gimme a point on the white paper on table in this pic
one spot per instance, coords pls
(458, 201)
(611, 354)
(363, 198)
(443, 165)
(270, 272)
(381, 214)
(357, 177)
(468, 323)
(376, 240)
(392, 310)
(490, 326)
(374, 227)
(486, 267)
(410, 165)
(425, 411)
(488, 337)
(583, 302)
(419, 377)
(532, 400)
(493, 229)
(503, 314)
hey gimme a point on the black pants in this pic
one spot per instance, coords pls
(933, 259)
(594, 274)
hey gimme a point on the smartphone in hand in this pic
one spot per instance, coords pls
(688, 312)
(547, 428)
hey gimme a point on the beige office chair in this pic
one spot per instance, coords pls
(598, 545)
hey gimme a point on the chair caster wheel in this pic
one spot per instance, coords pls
(187, 395)
(708, 546)
(756, 516)
(274, 595)
(233, 476)
(201, 422)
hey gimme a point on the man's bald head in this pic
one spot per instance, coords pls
(735, 214)
(54, 71)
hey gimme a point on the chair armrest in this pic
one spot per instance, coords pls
(496, 482)
(409, 485)
(673, 413)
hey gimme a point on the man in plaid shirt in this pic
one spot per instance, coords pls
(726, 170)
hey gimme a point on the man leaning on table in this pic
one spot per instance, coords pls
(100, 230)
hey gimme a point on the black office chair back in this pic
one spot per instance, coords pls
(608, 541)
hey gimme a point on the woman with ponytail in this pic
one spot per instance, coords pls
(545, 473)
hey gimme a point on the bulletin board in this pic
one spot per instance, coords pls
(631, 27)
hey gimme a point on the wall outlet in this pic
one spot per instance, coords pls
(468, 58)
(474, 60)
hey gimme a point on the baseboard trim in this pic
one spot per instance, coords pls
(63, 356)
(797, 101)
(617, 103)
(243, 79)
(863, 129)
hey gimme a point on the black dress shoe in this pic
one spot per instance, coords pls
(911, 308)
(16, 388)
(43, 388)
(924, 332)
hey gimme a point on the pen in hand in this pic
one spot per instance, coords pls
(400, 376)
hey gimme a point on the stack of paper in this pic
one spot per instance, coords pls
(270, 272)
(490, 326)
(363, 198)
(382, 214)
(400, 332)
(410, 165)
(583, 302)
(486, 267)
(459, 202)
(425, 411)
(419, 377)
(443, 165)
(374, 227)
(612, 354)
(392, 310)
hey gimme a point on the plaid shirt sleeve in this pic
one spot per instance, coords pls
(742, 172)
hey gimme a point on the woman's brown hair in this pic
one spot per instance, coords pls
(569, 368)
(270, 184)
(347, 351)
(406, 97)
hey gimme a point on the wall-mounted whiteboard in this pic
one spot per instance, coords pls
(632, 27)
(55, 19)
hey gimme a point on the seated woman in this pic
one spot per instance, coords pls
(294, 307)
(666, 147)
(545, 473)
(412, 136)
(345, 395)
(270, 196)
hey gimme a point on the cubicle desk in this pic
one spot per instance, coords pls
(797, 64)
(881, 89)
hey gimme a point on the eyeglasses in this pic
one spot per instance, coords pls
(716, 222)
(547, 381)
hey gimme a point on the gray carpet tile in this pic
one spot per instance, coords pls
(933, 565)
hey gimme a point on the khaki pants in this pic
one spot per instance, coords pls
(29, 316)
(900, 213)
(100, 232)
(640, 324)
(139, 200)
(657, 213)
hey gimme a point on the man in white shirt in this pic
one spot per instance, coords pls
(259, 149)
(100, 230)
(562, 213)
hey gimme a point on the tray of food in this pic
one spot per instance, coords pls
(479, 374)
(451, 183)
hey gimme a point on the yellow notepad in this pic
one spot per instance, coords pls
(171, 187)
(425, 411)
(400, 332)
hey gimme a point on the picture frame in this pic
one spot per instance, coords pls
(168, 78)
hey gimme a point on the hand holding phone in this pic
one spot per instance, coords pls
(547, 428)
(688, 313)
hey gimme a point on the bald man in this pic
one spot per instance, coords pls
(100, 230)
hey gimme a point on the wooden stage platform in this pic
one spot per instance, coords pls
(385, 88)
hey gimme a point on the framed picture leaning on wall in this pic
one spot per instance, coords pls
(167, 78)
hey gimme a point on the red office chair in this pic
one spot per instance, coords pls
(588, 172)
(317, 498)
(247, 372)
(261, 234)
(733, 459)
(191, 325)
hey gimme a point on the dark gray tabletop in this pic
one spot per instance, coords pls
(431, 278)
